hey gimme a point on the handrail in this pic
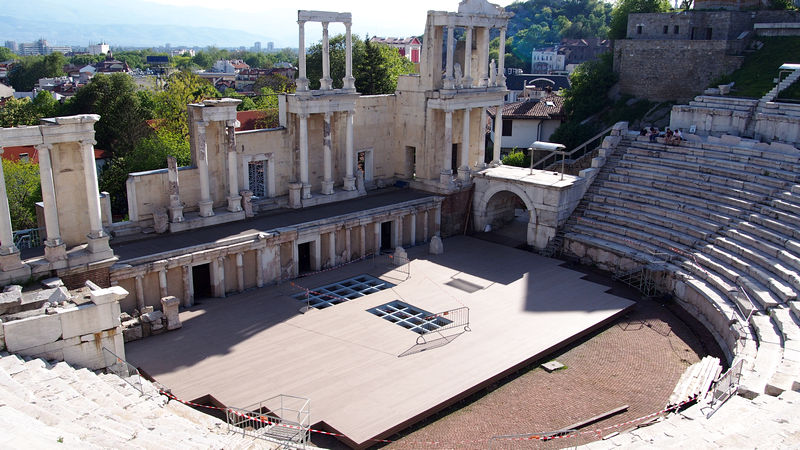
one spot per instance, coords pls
(571, 152)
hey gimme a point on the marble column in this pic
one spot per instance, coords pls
(327, 158)
(362, 241)
(188, 286)
(219, 286)
(302, 80)
(162, 282)
(349, 82)
(7, 246)
(482, 139)
(175, 203)
(437, 219)
(425, 220)
(139, 288)
(97, 237)
(260, 267)
(348, 245)
(234, 199)
(447, 165)
(54, 247)
(498, 135)
(501, 63)
(398, 232)
(349, 179)
(332, 248)
(205, 203)
(306, 187)
(240, 272)
(483, 56)
(467, 81)
(449, 81)
(463, 170)
(325, 83)
(413, 229)
(377, 233)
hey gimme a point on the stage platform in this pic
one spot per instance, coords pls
(366, 377)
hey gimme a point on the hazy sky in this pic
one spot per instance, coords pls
(278, 18)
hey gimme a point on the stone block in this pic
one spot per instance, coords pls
(132, 333)
(10, 303)
(160, 220)
(88, 319)
(436, 247)
(400, 256)
(31, 332)
(108, 295)
(37, 299)
(552, 366)
(51, 283)
(169, 307)
(152, 317)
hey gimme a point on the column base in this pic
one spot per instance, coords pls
(464, 173)
(327, 187)
(449, 83)
(495, 163)
(306, 192)
(55, 250)
(9, 258)
(325, 84)
(466, 82)
(98, 243)
(446, 176)
(302, 84)
(295, 195)
(349, 83)
(349, 184)
(501, 80)
(206, 208)
(176, 214)
(235, 203)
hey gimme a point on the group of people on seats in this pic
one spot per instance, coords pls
(670, 137)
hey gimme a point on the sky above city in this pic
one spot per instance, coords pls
(277, 19)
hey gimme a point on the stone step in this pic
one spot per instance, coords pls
(656, 210)
(763, 268)
(645, 227)
(714, 203)
(677, 206)
(758, 292)
(786, 323)
(768, 221)
(759, 158)
(660, 220)
(660, 247)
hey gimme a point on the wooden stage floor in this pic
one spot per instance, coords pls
(252, 346)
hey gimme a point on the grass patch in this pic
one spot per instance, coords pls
(755, 77)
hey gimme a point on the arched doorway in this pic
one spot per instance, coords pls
(507, 217)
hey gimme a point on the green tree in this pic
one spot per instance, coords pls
(85, 60)
(122, 115)
(181, 89)
(589, 86)
(23, 190)
(373, 76)
(6, 54)
(150, 153)
(16, 112)
(26, 73)
(618, 28)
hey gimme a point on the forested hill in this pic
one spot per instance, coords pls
(539, 23)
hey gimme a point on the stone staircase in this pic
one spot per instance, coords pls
(783, 84)
(44, 405)
(727, 221)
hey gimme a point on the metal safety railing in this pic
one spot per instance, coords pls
(285, 418)
(726, 386)
(121, 368)
(551, 158)
(30, 238)
(443, 321)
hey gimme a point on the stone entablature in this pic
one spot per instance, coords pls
(266, 257)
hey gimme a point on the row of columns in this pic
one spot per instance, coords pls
(464, 168)
(466, 81)
(206, 204)
(327, 149)
(265, 254)
(325, 83)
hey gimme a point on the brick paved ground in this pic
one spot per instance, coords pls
(636, 361)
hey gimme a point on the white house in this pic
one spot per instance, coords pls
(547, 60)
(528, 121)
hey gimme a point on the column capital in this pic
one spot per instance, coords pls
(303, 115)
(325, 25)
(43, 147)
(301, 23)
(84, 142)
(139, 277)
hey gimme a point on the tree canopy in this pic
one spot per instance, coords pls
(618, 28)
(180, 89)
(23, 190)
(23, 111)
(26, 73)
(375, 66)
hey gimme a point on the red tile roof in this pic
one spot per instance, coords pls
(551, 107)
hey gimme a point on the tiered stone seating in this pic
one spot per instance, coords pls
(44, 405)
(721, 219)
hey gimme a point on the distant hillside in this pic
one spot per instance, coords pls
(540, 23)
(82, 34)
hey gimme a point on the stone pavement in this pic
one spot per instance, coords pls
(637, 361)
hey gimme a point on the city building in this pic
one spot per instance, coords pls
(98, 49)
(11, 45)
(529, 120)
(408, 47)
(548, 60)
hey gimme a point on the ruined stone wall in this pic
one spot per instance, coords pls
(455, 209)
(374, 128)
(725, 25)
(661, 70)
(70, 188)
(277, 146)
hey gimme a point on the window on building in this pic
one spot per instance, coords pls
(506, 127)
(256, 172)
(708, 34)
(666, 29)
(638, 29)
(675, 29)
(24, 157)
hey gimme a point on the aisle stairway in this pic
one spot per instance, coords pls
(44, 405)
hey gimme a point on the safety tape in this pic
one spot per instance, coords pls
(541, 437)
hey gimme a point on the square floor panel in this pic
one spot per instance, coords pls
(415, 319)
(342, 291)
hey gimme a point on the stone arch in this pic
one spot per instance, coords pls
(501, 215)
